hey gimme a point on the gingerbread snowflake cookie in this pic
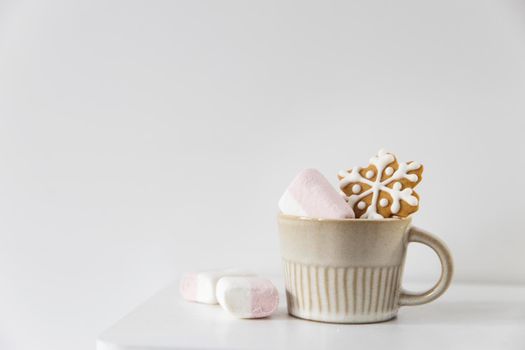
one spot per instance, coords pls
(383, 189)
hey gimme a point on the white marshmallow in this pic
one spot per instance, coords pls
(247, 297)
(201, 286)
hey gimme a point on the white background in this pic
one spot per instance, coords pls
(139, 140)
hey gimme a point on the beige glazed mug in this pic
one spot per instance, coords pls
(350, 270)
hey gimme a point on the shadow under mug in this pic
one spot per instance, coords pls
(350, 270)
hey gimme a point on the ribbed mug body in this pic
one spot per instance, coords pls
(344, 271)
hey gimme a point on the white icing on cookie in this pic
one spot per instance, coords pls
(383, 202)
(356, 188)
(389, 171)
(380, 162)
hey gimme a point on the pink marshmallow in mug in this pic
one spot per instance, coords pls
(311, 195)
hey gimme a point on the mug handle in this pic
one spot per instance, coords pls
(420, 236)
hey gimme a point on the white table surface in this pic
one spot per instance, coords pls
(466, 317)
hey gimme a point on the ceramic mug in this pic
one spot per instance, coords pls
(350, 270)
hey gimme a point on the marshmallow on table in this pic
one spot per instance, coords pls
(310, 194)
(247, 297)
(200, 286)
